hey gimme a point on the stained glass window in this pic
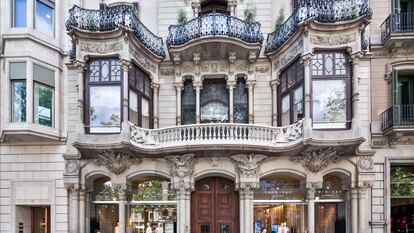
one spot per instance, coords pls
(240, 102)
(214, 101)
(188, 104)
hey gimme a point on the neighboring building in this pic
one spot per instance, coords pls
(191, 117)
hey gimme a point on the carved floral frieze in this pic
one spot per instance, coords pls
(286, 57)
(101, 48)
(315, 160)
(116, 161)
(167, 72)
(142, 61)
(333, 40)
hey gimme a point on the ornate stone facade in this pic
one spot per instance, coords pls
(116, 161)
(315, 160)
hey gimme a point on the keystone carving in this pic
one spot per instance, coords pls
(116, 162)
(247, 164)
(181, 165)
(72, 167)
(317, 159)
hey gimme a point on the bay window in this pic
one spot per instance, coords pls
(140, 98)
(103, 91)
(45, 14)
(44, 82)
(291, 106)
(17, 77)
(19, 13)
(331, 83)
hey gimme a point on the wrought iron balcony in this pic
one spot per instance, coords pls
(323, 11)
(214, 25)
(397, 23)
(213, 134)
(397, 115)
(113, 18)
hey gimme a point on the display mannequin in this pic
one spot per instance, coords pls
(149, 229)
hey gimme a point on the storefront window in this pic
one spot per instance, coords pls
(34, 219)
(105, 206)
(402, 198)
(279, 205)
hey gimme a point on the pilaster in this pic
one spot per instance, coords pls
(81, 69)
(311, 190)
(250, 86)
(274, 85)
(355, 58)
(307, 124)
(155, 92)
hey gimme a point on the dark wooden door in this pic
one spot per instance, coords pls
(214, 206)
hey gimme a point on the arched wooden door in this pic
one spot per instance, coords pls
(214, 206)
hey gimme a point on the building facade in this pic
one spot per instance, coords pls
(206, 116)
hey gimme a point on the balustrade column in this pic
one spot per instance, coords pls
(306, 59)
(274, 84)
(178, 87)
(198, 85)
(155, 91)
(81, 70)
(355, 94)
(250, 85)
(82, 211)
(230, 85)
(122, 217)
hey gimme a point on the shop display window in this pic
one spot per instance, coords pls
(402, 198)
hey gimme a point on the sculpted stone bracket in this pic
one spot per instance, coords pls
(72, 167)
(315, 160)
(247, 164)
(116, 161)
(181, 171)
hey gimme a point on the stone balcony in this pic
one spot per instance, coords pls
(320, 11)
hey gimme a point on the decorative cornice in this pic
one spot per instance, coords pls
(315, 160)
(116, 161)
(247, 164)
(181, 165)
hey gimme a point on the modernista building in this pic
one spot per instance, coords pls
(207, 116)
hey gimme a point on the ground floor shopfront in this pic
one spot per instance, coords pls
(242, 193)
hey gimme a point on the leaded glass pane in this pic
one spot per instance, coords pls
(115, 70)
(214, 102)
(94, 71)
(340, 64)
(105, 71)
(105, 109)
(329, 103)
(329, 64)
(317, 68)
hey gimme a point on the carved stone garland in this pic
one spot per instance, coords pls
(315, 160)
(117, 162)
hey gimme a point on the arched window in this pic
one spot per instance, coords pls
(214, 6)
(331, 90)
(291, 107)
(188, 104)
(140, 98)
(240, 101)
(214, 101)
(103, 96)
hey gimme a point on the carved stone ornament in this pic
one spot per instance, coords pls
(333, 40)
(291, 133)
(262, 69)
(286, 57)
(140, 136)
(215, 161)
(315, 160)
(240, 66)
(247, 164)
(214, 67)
(72, 167)
(365, 163)
(101, 48)
(167, 72)
(117, 162)
(142, 61)
(181, 165)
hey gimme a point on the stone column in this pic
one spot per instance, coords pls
(231, 84)
(196, 8)
(311, 187)
(80, 126)
(178, 88)
(306, 59)
(198, 85)
(247, 195)
(125, 88)
(274, 84)
(29, 93)
(155, 91)
(122, 217)
(241, 211)
(231, 6)
(250, 85)
(88, 210)
(355, 93)
(354, 210)
(362, 208)
(74, 207)
(82, 211)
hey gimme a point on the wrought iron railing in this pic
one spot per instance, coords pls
(324, 11)
(397, 23)
(217, 133)
(214, 25)
(397, 115)
(112, 18)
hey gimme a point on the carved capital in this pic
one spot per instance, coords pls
(306, 59)
(274, 83)
(126, 65)
(247, 164)
(72, 167)
(354, 58)
(73, 188)
(179, 86)
(231, 84)
(246, 189)
(250, 84)
(197, 85)
(312, 187)
(80, 66)
(315, 160)
(155, 87)
(181, 165)
(116, 161)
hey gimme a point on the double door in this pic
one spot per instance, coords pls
(214, 206)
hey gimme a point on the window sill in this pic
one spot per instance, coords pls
(29, 132)
(33, 34)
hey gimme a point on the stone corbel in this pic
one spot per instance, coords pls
(252, 60)
(247, 165)
(196, 60)
(72, 167)
(388, 72)
(232, 60)
(177, 68)
(181, 171)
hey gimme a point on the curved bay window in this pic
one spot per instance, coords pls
(331, 90)
(104, 91)
(140, 98)
(214, 101)
(240, 102)
(214, 6)
(291, 107)
(188, 104)
(279, 204)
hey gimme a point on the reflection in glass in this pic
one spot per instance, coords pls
(104, 217)
(240, 102)
(44, 17)
(329, 103)
(43, 104)
(105, 109)
(20, 13)
(280, 218)
(151, 219)
(133, 107)
(330, 217)
(298, 113)
(41, 219)
(402, 198)
(145, 113)
(19, 101)
(214, 101)
(285, 110)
